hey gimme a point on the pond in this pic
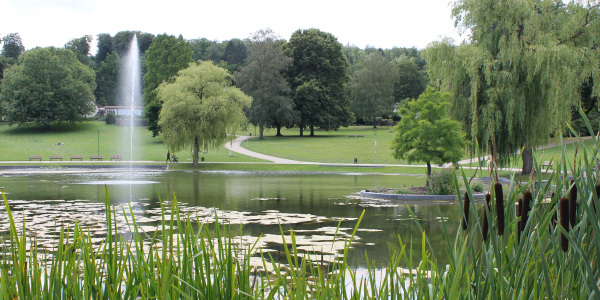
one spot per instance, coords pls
(312, 204)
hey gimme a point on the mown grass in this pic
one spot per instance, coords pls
(82, 139)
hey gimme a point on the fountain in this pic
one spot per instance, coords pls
(130, 89)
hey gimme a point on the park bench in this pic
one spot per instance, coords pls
(74, 157)
(33, 157)
(360, 135)
(57, 157)
(96, 157)
(114, 157)
(351, 136)
(547, 164)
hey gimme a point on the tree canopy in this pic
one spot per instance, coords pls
(200, 107)
(411, 81)
(426, 134)
(81, 47)
(165, 57)
(47, 85)
(262, 78)
(318, 79)
(12, 46)
(514, 83)
(372, 87)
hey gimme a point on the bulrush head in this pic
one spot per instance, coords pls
(573, 204)
(484, 228)
(518, 212)
(598, 199)
(499, 207)
(564, 222)
(526, 208)
(466, 204)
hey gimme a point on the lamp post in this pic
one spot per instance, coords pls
(375, 148)
(98, 142)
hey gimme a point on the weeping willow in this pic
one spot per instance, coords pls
(517, 77)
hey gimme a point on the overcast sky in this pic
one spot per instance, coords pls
(378, 23)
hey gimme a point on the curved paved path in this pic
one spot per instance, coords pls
(236, 146)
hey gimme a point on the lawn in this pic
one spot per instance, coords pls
(93, 138)
(339, 148)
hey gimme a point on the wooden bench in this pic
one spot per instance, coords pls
(57, 157)
(351, 136)
(360, 135)
(115, 157)
(547, 164)
(96, 157)
(73, 157)
(33, 157)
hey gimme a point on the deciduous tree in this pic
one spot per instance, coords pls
(81, 47)
(411, 81)
(318, 80)
(200, 108)
(372, 87)
(47, 85)
(12, 46)
(165, 57)
(426, 133)
(514, 83)
(107, 78)
(262, 78)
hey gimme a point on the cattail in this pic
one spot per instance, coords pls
(597, 197)
(484, 228)
(554, 218)
(519, 207)
(564, 222)
(525, 209)
(465, 224)
(499, 207)
(573, 203)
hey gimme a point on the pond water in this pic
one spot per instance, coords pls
(311, 204)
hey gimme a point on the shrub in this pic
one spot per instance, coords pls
(442, 183)
(110, 118)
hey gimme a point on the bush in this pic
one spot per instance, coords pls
(442, 183)
(110, 118)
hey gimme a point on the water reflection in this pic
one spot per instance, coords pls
(310, 204)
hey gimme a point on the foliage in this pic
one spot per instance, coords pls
(579, 125)
(110, 118)
(517, 79)
(200, 48)
(426, 134)
(372, 87)
(442, 183)
(122, 40)
(105, 46)
(262, 78)
(47, 85)
(411, 81)
(165, 57)
(81, 47)
(107, 80)
(12, 46)
(317, 78)
(200, 108)
(235, 54)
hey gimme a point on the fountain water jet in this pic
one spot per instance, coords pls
(130, 87)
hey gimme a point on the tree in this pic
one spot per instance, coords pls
(235, 54)
(372, 87)
(516, 80)
(47, 85)
(12, 46)
(318, 79)
(200, 108)
(122, 40)
(81, 47)
(199, 48)
(426, 133)
(106, 45)
(165, 57)
(262, 78)
(107, 79)
(411, 81)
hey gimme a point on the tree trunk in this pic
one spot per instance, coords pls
(374, 122)
(279, 131)
(196, 155)
(527, 160)
(312, 130)
(428, 173)
(261, 129)
(301, 128)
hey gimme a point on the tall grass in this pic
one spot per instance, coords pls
(536, 257)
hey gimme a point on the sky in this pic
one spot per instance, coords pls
(377, 23)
